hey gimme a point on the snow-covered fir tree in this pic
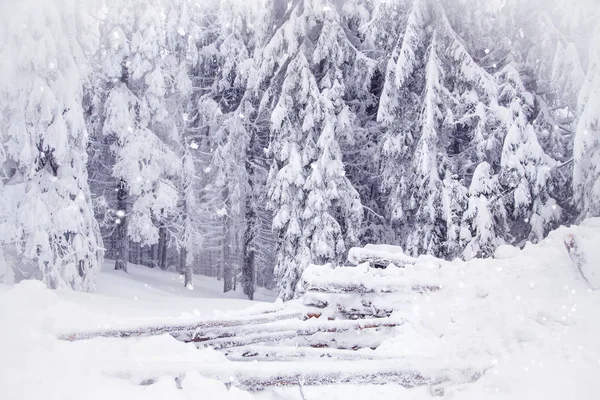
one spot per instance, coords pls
(586, 178)
(48, 228)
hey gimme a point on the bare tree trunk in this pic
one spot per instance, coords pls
(227, 264)
(154, 255)
(121, 236)
(249, 250)
(186, 268)
(162, 248)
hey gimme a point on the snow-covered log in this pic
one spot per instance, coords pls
(379, 256)
(294, 353)
(362, 279)
(183, 329)
(260, 375)
(302, 328)
(271, 333)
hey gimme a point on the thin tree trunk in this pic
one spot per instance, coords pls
(121, 236)
(138, 253)
(154, 255)
(162, 243)
(186, 268)
(227, 267)
(249, 251)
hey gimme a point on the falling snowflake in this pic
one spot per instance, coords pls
(118, 221)
(194, 145)
(487, 51)
(181, 31)
(120, 213)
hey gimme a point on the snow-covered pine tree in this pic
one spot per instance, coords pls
(525, 167)
(317, 208)
(399, 108)
(483, 221)
(293, 119)
(428, 228)
(48, 228)
(180, 31)
(586, 171)
(136, 121)
(333, 211)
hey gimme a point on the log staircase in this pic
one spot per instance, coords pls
(328, 336)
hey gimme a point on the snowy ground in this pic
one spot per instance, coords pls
(528, 314)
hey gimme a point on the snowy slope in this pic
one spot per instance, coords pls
(528, 314)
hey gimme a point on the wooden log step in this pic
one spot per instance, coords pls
(269, 333)
(391, 286)
(183, 328)
(363, 280)
(379, 258)
(260, 375)
(306, 327)
(347, 300)
(293, 353)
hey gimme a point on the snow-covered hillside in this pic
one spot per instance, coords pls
(528, 315)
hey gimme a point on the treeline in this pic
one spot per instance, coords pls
(247, 139)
